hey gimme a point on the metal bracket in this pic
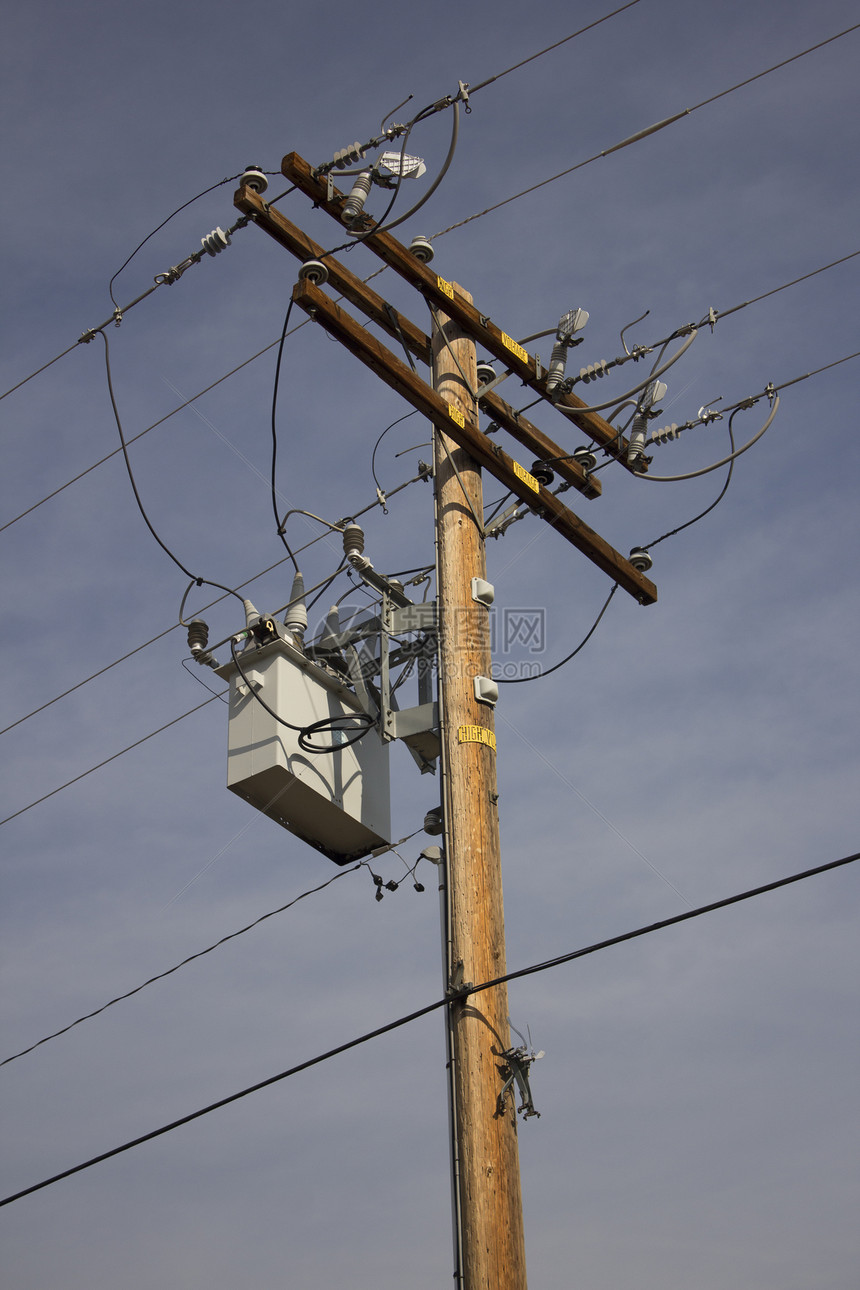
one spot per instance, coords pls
(518, 1061)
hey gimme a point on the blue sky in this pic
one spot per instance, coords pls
(698, 1094)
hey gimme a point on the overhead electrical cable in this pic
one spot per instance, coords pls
(649, 130)
(719, 314)
(231, 936)
(455, 996)
(520, 680)
(184, 206)
(217, 601)
(473, 89)
(165, 548)
(113, 757)
(160, 976)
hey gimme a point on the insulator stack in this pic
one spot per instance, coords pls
(557, 364)
(215, 242)
(349, 156)
(296, 617)
(354, 204)
(594, 371)
(665, 433)
(198, 635)
(637, 438)
(353, 546)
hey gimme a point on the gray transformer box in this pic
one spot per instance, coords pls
(338, 802)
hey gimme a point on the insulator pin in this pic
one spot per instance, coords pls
(314, 271)
(215, 242)
(422, 248)
(253, 177)
(585, 457)
(640, 559)
(543, 473)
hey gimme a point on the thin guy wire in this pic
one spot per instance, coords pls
(448, 1001)
(649, 130)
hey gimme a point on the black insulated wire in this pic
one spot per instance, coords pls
(444, 1002)
(193, 576)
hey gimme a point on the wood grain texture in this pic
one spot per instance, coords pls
(491, 1205)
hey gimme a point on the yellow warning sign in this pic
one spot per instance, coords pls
(476, 735)
(523, 474)
(445, 287)
(512, 345)
(456, 415)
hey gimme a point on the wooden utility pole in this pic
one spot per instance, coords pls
(487, 1201)
(487, 1198)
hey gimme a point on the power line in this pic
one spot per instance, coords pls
(458, 995)
(473, 89)
(649, 130)
(341, 873)
(231, 936)
(217, 601)
(113, 757)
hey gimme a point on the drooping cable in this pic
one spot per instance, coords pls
(166, 549)
(706, 470)
(274, 476)
(217, 601)
(649, 130)
(714, 503)
(446, 1002)
(520, 680)
(184, 206)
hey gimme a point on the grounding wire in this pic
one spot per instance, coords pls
(649, 130)
(520, 680)
(448, 1001)
(200, 581)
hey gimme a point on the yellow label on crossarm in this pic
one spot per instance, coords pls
(476, 735)
(514, 348)
(456, 415)
(523, 474)
(445, 287)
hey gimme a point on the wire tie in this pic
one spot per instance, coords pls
(117, 315)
